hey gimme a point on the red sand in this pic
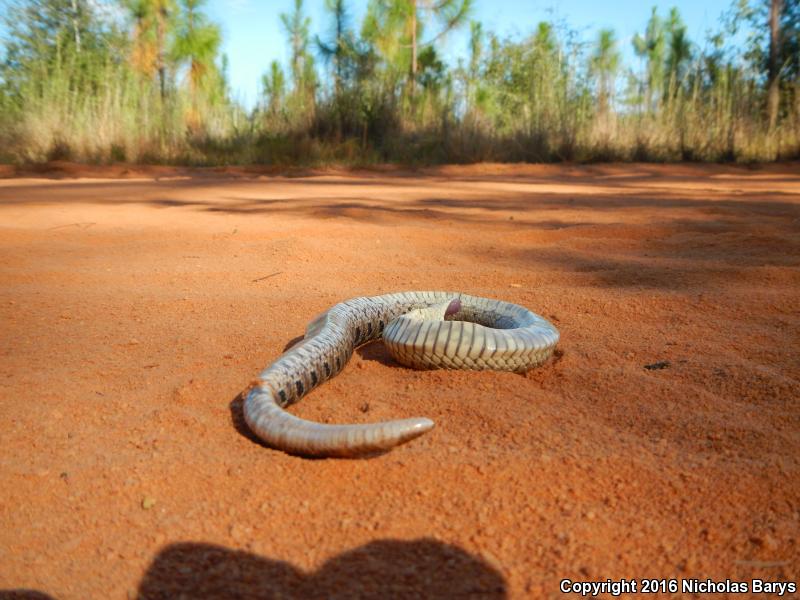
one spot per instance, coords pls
(134, 311)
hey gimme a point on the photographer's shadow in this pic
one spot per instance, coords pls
(423, 568)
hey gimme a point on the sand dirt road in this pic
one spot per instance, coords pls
(135, 310)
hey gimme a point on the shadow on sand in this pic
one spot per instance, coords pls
(423, 568)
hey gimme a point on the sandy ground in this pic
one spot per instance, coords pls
(135, 310)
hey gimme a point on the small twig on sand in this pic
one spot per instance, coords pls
(81, 225)
(267, 276)
(664, 364)
(762, 564)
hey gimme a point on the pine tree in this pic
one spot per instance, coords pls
(297, 26)
(651, 48)
(196, 43)
(604, 66)
(274, 87)
(154, 22)
(679, 50)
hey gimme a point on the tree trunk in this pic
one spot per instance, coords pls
(160, 35)
(337, 56)
(296, 69)
(413, 45)
(773, 90)
(75, 26)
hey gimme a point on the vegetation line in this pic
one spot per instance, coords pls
(143, 81)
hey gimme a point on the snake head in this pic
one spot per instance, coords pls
(434, 312)
(453, 307)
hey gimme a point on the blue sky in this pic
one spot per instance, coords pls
(253, 36)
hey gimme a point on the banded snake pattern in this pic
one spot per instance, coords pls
(421, 330)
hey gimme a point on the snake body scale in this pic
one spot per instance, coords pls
(422, 330)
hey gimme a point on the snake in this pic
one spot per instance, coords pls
(421, 330)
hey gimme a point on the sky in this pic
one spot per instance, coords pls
(253, 35)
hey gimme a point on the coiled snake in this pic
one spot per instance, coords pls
(422, 330)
